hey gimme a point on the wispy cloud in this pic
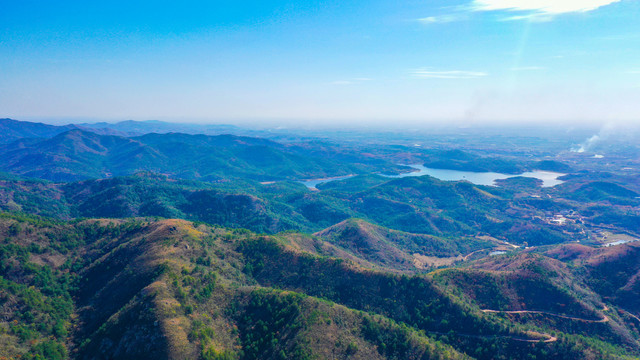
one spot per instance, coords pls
(533, 17)
(442, 19)
(447, 74)
(531, 10)
(543, 7)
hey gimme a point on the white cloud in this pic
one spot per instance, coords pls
(542, 7)
(441, 19)
(534, 17)
(531, 10)
(448, 74)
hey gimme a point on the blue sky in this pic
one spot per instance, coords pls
(326, 62)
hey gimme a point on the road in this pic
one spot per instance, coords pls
(604, 319)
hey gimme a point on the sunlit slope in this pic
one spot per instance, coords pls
(537, 290)
(172, 289)
(417, 301)
(613, 272)
(392, 249)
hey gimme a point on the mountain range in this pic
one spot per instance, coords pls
(122, 243)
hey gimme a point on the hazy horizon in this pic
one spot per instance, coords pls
(304, 63)
(356, 124)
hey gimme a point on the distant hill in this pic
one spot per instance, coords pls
(520, 183)
(146, 194)
(423, 205)
(465, 161)
(11, 130)
(605, 191)
(552, 165)
(77, 154)
(161, 127)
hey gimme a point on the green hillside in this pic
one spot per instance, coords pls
(173, 289)
(78, 155)
(176, 246)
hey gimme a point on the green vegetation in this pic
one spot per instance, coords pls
(79, 155)
(207, 247)
(183, 290)
(390, 249)
(464, 161)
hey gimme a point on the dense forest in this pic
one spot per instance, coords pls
(111, 249)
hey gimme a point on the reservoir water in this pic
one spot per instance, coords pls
(497, 252)
(311, 184)
(620, 242)
(480, 178)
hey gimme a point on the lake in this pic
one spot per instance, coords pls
(619, 242)
(311, 184)
(497, 252)
(548, 178)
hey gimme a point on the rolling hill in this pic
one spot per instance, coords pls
(78, 155)
(193, 246)
(392, 249)
(118, 289)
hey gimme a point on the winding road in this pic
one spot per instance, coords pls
(549, 337)
(604, 319)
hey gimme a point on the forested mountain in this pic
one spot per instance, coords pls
(78, 154)
(191, 246)
(160, 127)
(173, 289)
(11, 130)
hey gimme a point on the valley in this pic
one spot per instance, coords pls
(126, 244)
(320, 180)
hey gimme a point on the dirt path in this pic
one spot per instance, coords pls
(549, 338)
(469, 254)
(604, 319)
(502, 246)
(630, 314)
(633, 316)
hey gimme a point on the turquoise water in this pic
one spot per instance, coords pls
(479, 178)
(311, 184)
(619, 242)
(548, 178)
